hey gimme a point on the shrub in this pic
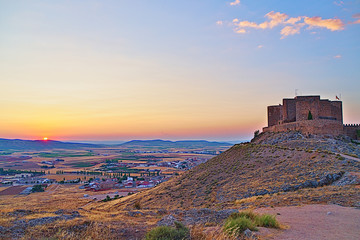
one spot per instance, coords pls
(256, 133)
(236, 226)
(310, 117)
(247, 214)
(37, 188)
(238, 222)
(179, 232)
(137, 205)
(267, 220)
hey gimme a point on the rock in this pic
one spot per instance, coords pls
(20, 213)
(347, 179)
(161, 211)
(168, 220)
(196, 216)
(135, 213)
(328, 213)
(59, 212)
(249, 234)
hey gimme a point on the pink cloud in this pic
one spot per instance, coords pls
(291, 25)
(331, 24)
(290, 30)
(357, 15)
(234, 3)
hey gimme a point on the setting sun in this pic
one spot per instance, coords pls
(45, 138)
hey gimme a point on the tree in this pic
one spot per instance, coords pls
(256, 133)
(310, 117)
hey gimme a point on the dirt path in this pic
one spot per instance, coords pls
(317, 222)
(350, 157)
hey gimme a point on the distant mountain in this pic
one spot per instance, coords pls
(174, 144)
(18, 144)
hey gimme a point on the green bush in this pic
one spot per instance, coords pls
(38, 188)
(238, 222)
(310, 117)
(267, 220)
(247, 214)
(179, 232)
(236, 226)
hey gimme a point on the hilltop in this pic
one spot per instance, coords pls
(271, 173)
(275, 169)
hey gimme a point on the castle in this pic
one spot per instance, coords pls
(310, 115)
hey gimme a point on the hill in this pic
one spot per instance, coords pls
(273, 170)
(18, 144)
(174, 144)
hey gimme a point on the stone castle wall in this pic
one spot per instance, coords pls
(289, 110)
(298, 108)
(316, 126)
(306, 105)
(352, 130)
(293, 115)
(275, 114)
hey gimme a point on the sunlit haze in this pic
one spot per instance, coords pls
(122, 70)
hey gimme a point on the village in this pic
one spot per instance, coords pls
(126, 177)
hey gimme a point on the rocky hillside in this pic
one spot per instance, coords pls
(274, 169)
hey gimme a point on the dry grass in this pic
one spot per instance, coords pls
(242, 170)
(71, 230)
(200, 232)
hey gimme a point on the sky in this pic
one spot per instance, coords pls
(204, 69)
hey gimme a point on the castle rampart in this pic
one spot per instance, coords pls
(310, 115)
(352, 130)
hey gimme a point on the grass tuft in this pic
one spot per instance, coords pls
(267, 220)
(236, 226)
(179, 232)
(238, 222)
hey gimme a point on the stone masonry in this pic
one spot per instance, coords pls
(310, 115)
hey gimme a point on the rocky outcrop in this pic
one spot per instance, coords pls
(17, 230)
(196, 216)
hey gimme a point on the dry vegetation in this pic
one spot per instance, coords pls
(249, 170)
(247, 176)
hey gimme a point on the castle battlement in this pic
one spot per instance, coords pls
(310, 115)
(351, 125)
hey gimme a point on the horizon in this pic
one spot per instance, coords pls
(111, 142)
(123, 70)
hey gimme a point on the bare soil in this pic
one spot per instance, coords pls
(13, 190)
(318, 222)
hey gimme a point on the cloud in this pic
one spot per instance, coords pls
(290, 30)
(339, 3)
(291, 25)
(234, 3)
(241, 31)
(331, 24)
(219, 22)
(337, 56)
(260, 46)
(357, 15)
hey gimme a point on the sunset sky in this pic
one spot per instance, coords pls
(204, 69)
